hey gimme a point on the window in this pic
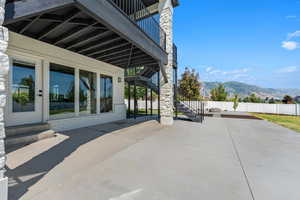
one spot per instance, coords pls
(23, 87)
(62, 89)
(87, 92)
(106, 94)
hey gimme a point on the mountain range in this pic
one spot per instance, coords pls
(243, 90)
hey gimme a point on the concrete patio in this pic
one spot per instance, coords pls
(230, 159)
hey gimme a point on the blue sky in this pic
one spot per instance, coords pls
(253, 41)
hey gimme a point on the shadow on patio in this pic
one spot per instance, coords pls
(43, 156)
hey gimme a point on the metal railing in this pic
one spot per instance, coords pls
(142, 17)
(193, 107)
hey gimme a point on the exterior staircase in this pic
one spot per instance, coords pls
(193, 113)
(26, 134)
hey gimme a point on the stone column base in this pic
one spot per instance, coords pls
(3, 188)
(165, 120)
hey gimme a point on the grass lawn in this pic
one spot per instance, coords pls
(291, 122)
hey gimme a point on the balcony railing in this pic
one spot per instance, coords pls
(142, 17)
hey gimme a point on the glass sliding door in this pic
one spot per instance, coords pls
(106, 94)
(62, 91)
(87, 92)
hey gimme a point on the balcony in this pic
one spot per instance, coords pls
(142, 17)
(122, 33)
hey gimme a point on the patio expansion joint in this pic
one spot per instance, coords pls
(240, 162)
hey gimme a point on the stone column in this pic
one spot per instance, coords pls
(166, 92)
(4, 67)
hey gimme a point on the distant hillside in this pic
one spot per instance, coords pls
(245, 89)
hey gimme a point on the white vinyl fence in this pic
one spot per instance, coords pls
(286, 109)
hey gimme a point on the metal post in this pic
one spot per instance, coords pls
(199, 107)
(129, 101)
(202, 111)
(158, 93)
(176, 77)
(175, 94)
(135, 103)
(151, 102)
(146, 101)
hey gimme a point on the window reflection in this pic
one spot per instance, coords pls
(106, 94)
(23, 88)
(61, 89)
(87, 94)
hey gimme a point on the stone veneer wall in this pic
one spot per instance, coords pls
(4, 67)
(166, 89)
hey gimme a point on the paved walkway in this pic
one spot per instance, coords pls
(228, 159)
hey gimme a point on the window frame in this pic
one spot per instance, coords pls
(62, 115)
(112, 92)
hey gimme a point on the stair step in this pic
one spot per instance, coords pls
(27, 138)
(28, 128)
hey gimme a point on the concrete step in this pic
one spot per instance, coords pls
(26, 134)
(24, 139)
(28, 128)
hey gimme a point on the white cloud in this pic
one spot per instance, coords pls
(216, 74)
(237, 71)
(215, 71)
(291, 17)
(290, 45)
(208, 69)
(293, 35)
(289, 69)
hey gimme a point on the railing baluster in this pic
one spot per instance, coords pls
(141, 16)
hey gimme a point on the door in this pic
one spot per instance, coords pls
(25, 99)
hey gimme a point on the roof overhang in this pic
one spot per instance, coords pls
(96, 29)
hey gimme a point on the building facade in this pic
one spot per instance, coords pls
(62, 62)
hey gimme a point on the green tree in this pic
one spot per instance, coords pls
(235, 102)
(246, 100)
(190, 84)
(272, 101)
(219, 93)
(288, 99)
(255, 99)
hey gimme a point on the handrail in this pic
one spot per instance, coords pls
(138, 13)
(194, 106)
